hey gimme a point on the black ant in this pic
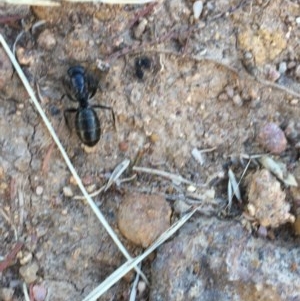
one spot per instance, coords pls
(81, 87)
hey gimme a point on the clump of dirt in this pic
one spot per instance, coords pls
(267, 201)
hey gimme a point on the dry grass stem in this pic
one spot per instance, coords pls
(177, 179)
(234, 184)
(126, 267)
(25, 292)
(38, 107)
(117, 173)
(133, 292)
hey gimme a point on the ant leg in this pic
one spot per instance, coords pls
(107, 108)
(69, 90)
(92, 85)
(68, 111)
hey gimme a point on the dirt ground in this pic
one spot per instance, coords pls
(199, 92)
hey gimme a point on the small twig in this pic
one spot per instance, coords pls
(103, 188)
(173, 177)
(8, 261)
(143, 12)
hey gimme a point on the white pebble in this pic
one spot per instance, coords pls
(197, 9)
(282, 67)
(141, 287)
(67, 191)
(39, 190)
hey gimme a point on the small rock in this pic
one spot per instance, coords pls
(297, 71)
(140, 28)
(39, 190)
(272, 138)
(72, 181)
(39, 292)
(25, 57)
(291, 65)
(26, 258)
(282, 67)
(267, 200)
(294, 101)
(6, 69)
(47, 40)
(142, 218)
(28, 272)
(229, 91)
(292, 131)
(197, 9)
(237, 100)
(298, 20)
(141, 287)
(271, 73)
(67, 191)
(6, 294)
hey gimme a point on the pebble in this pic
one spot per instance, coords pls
(229, 91)
(28, 272)
(292, 131)
(141, 287)
(140, 28)
(298, 20)
(197, 9)
(39, 190)
(237, 100)
(267, 200)
(26, 258)
(272, 138)
(142, 218)
(24, 57)
(67, 191)
(6, 69)
(39, 292)
(47, 40)
(282, 67)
